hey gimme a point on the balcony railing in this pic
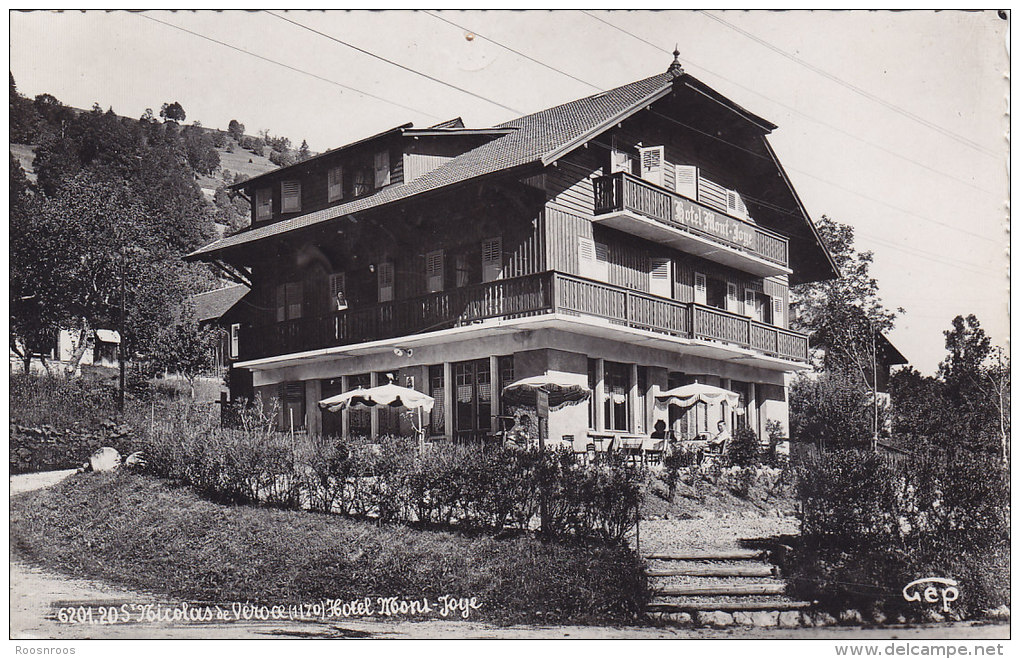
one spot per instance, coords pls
(548, 292)
(624, 192)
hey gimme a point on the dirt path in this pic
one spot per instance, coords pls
(36, 595)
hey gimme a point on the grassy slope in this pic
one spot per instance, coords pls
(25, 153)
(142, 533)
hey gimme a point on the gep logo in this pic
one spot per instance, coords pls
(931, 590)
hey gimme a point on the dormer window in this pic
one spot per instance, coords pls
(263, 203)
(336, 183)
(291, 196)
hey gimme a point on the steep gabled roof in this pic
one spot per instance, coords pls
(213, 304)
(539, 138)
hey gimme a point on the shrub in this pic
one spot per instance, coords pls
(871, 525)
(744, 450)
(63, 403)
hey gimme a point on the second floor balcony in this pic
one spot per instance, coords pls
(520, 298)
(630, 204)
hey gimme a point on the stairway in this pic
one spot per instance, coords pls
(719, 588)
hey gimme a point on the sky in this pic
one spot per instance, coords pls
(894, 123)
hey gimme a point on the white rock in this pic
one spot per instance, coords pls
(789, 619)
(105, 459)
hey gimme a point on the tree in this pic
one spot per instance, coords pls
(303, 153)
(236, 130)
(173, 112)
(832, 409)
(24, 120)
(187, 349)
(843, 314)
(977, 383)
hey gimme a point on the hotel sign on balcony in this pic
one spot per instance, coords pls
(715, 224)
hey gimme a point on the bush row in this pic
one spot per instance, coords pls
(442, 486)
(872, 524)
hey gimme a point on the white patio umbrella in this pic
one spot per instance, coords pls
(390, 395)
(689, 394)
(561, 391)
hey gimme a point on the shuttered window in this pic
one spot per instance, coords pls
(385, 273)
(700, 288)
(752, 304)
(235, 340)
(291, 196)
(593, 259)
(735, 205)
(777, 312)
(338, 291)
(362, 181)
(712, 194)
(652, 159)
(731, 298)
(382, 169)
(492, 259)
(686, 180)
(263, 203)
(434, 266)
(660, 279)
(336, 183)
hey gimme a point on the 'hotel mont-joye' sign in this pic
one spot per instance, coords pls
(722, 226)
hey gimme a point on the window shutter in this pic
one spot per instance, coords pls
(731, 297)
(338, 291)
(712, 194)
(235, 340)
(434, 271)
(751, 307)
(652, 158)
(593, 259)
(294, 300)
(263, 203)
(336, 183)
(687, 180)
(385, 273)
(777, 312)
(492, 259)
(281, 303)
(382, 169)
(700, 288)
(735, 205)
(291, 196)
(660, 278)
(621, 162)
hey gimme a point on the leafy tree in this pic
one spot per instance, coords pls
(303, 153)
(843, 314)
(236, 130)
(24, 120)
(173, 112)
(187, 349)
(833, 410)
(200, 149)
(56, 161)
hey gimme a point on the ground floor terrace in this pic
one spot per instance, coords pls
(465, 369)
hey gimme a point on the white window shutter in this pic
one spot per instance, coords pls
(731, 297)
(700, 288)
(777, 311)
(735, 205)
(382, 169)
(621, 162)
(336, 183)
(686, 180)
(235, 340)
(601, 261)
(652, 158)
(291, 196)
(386, 274)
(434, 271)
(751, 307)
(338, 291)
(492, 259)
(660, 277)
(263, 203)
(586, 257)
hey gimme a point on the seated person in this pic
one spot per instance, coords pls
(659, 432)
(721, 439)
(520, 434)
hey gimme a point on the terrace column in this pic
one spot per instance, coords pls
(345, 415)
(448, 385)
(313, 415)
(373, 381)
(599, 395)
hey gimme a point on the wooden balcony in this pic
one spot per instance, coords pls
(630, 204)
(533, 295)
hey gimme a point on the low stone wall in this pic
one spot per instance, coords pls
(45, 448)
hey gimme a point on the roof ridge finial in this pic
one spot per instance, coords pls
(676, 68)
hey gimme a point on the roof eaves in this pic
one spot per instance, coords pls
(563, 149)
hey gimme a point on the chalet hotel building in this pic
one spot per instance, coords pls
(635, 240)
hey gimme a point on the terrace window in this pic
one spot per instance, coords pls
(263, 204)
(289, 301)
(336, 183)
(617, 399)
(359, 418)
(363, 177)
(382, 169)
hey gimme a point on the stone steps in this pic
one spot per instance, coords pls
(722, 589)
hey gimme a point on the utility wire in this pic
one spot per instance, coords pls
(800, 113)
(286, 66)
(396, 64)
(854, 88)
(512, 50)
